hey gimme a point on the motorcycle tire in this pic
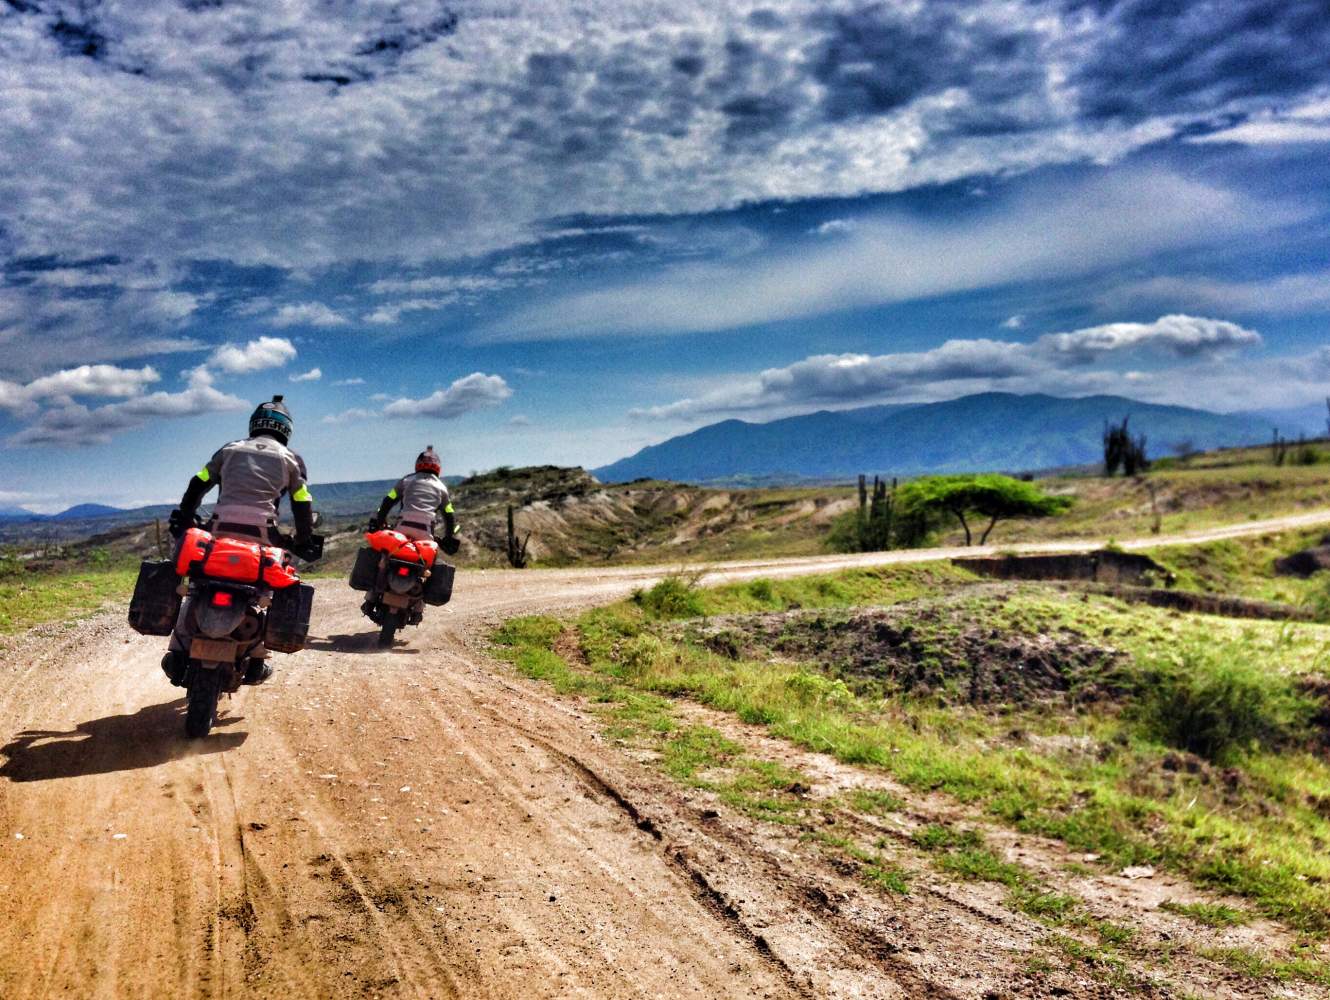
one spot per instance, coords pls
(388, 631)
(204, 689)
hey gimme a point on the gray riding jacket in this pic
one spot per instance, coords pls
(423, 496)
(251, 476)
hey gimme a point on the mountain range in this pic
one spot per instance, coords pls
(987, 431)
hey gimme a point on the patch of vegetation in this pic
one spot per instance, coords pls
(1220, 708)
(1209, 914)
(1255, 966)
(28, 599)
(1103, 775)
(675, 596)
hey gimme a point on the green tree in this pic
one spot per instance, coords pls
(988, 495)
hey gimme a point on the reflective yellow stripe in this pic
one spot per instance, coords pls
(302, 495)
(204, 475)
(392, 493)
(448, 509)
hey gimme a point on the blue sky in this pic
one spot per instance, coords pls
(557, 232)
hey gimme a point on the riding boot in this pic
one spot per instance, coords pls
(257, 671)
(174, 665)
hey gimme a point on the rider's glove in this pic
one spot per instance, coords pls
(375, 524)
(177, 523)
(308, 547)
(450, 544)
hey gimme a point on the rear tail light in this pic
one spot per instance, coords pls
(404, 571)
(221, 599)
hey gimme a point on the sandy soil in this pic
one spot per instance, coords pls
(416, 823)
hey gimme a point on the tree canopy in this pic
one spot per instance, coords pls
(984, 495)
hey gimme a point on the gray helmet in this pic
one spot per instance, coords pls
(272, 419)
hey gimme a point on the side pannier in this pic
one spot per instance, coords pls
(287, 627)
(365, 573)
(439, 586)
(156, 601)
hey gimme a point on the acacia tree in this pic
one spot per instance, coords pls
(987, 495)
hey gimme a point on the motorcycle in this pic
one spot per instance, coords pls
(400, 576)
(239, 595)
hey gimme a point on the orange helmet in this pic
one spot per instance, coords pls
(428, 461)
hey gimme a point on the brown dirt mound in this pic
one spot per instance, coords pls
(934, 650)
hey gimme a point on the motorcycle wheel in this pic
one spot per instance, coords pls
(204, 689)
(388, 631)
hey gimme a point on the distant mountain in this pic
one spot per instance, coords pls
(87, 510)
(1309, 420)
(17, 514)
(999, 431)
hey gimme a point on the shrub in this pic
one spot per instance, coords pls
(675, 596)
(810, 690)
(760, 590)
(1220, 709)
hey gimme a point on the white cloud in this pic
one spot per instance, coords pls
(1181, 336)
(349, 381)
(833, 227)
(1081, 228)
(476, 391)
(302, 134)
(75, 425)
(519, 421)
(266, 352)
(386, 315)
(439, 283)
(313, 375)
(1305, 123)
(356, 413)
(307, 314)
(1289, 293)
(1055, 362)
(85, 380)
(1013, 322)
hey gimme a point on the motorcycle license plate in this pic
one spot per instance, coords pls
(221, 650)
(397, 600)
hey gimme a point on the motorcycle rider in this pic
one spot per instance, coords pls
(423, 498)
(252, 475)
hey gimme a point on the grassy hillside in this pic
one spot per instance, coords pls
(998, 717)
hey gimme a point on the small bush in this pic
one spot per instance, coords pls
(761, 590)
(531, 630)
(809, 690)
(675, 596)
(1218, 710)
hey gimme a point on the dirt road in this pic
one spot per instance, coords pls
(409, 823)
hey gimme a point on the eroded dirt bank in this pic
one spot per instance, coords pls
(413, 823)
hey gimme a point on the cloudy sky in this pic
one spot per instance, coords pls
(558, 231)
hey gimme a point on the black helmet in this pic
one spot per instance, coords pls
(273, 419)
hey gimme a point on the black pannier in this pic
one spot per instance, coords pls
(288, 618)
(156, 602)
(365, 573)
(439, 586)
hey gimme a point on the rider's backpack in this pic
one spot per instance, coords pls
(287, 627)
(156, 601)
(439, 586)
(365, 573)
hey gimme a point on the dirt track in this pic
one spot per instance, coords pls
(411, 823)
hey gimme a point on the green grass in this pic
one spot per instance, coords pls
(1208, 914)
(1257, 830)
(1201, 495)
(1245, 567)
(28, 599)
(1255, 966)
